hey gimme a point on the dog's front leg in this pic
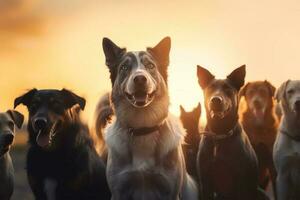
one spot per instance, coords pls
(282, 184)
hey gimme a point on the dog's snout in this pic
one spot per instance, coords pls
(8, 138)
(140, 80)
(257, 103)
(216, 102)
(40, 123)
(297, 104)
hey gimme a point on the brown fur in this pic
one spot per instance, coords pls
(262, 136)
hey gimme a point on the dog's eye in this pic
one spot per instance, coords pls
(124, 67)
(11, 125)
(150, 66)
(290, 91)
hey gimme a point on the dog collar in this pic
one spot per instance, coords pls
(296, 138)
(215, 136)
(142, 131)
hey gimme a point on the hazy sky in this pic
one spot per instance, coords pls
(57, 43)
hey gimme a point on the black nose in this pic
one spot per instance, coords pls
(8, 138)
(40, 123)
(140, 80)
(297, 105)
(216, 103)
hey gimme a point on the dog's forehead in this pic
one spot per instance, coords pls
(293, 85)
(256, 85)
(4, 118)
(47, 95)
(220, 84)
(135, 57)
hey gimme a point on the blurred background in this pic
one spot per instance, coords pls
(57, 43)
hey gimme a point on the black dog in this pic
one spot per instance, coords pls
(190, 121)
(62, 162)
(227, 163)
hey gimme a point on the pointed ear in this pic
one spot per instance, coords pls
(182, 111)
(161, 53)
(204, 77)
(17, 117)
(281, 91)
(113, 54)
(237, 77)
(25, 98)
(243, 90)
(271, 88)
(197, 110)
(72, 99)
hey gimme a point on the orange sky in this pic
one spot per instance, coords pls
(57, 43)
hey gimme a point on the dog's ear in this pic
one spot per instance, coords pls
(113, 54)
(72, 99)
(281, 91)
(161, 53)
(271, 88)
(25, 98)
(197, 110)
(243, 90)
(182, 111)
(237, 77)
(17, 117)
(204, 77)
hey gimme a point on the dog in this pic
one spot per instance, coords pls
(260, 124)
(286, 152)
(8, 121)
(190, 121)
(145, 159)
(226, 163)
(62, 163)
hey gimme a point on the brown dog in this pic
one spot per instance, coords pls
(260, 124)
(190, 121)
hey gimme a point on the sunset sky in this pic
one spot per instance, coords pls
(57, 43)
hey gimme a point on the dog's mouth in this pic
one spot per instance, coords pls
(45, 138)
(218, 114)
(140, 99)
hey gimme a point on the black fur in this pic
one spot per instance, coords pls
(71, 160)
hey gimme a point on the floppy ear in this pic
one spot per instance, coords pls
(243, 90)
(204, 77)
(237, 77)
(281, 90)
(271, 88)
(25, 98)
(113, 54)
(72, 99)
(182, 111)
(17, 117)
(161, 53)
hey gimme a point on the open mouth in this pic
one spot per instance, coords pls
(45, 139)
(215, 114)
(140, 98)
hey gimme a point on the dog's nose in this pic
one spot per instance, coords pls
(40, 123)
(297, 104)
(140, 80)
(216, 103)
(8, 138)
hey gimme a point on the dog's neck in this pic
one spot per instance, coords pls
(224, 125)
(291, 125)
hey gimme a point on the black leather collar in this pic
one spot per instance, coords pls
(142, 131)
(296, 138)
(216, 136)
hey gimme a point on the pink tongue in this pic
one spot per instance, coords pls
(259, 114)
(43, 140)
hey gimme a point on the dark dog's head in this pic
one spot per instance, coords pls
(8, 121)
(289, 95)
(49, 112)
(221, 96)
(190, 120)
(139, 82)
(259, 98)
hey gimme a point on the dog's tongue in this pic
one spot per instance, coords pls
(140, 98)
(259, 114)
(42, 140)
